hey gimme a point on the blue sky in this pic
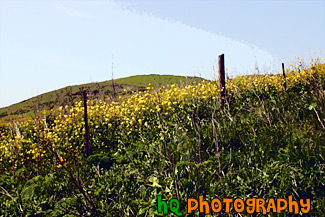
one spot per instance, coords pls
(49, 44)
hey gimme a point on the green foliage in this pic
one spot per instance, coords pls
(264, 143)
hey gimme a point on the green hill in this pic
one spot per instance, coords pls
(100, 90)
(160, 152)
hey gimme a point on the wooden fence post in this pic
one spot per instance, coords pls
(222, 82)
(284, 76)
(86, 124)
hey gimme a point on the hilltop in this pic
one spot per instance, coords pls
(100, 90)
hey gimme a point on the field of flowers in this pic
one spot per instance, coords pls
(266, 142)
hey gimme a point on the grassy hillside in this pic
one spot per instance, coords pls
(266, 143)
(98, 90)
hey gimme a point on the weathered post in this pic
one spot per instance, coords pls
(86, 124)
(222, 82)
(284, 76)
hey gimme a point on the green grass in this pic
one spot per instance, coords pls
(264, 143)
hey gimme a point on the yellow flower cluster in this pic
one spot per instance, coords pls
(16, 144)
(66, 133)
(299, 72)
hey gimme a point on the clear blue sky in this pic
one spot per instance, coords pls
(46, 45)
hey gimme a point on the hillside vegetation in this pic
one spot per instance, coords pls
(266, 142)
(97, 90)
